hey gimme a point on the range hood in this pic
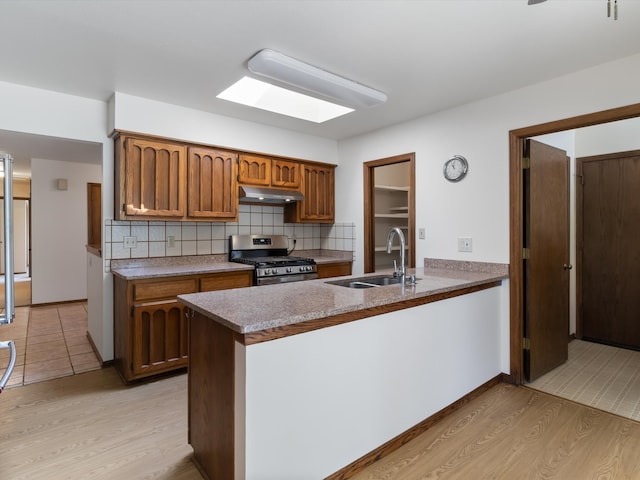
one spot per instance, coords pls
(268, 195)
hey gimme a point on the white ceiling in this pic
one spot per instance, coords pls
(427, 55)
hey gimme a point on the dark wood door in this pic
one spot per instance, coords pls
(547, 268)
(609, 228)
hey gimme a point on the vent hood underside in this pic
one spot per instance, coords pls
(268, 195)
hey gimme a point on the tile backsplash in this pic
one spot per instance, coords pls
(168, 239)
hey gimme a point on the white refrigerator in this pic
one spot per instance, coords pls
(8, 312)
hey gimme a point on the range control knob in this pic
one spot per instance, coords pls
(289, 269)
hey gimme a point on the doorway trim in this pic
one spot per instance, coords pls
(516, 203)
(369, 232)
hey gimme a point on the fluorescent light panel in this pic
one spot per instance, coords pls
(313, 80)
(255, 93)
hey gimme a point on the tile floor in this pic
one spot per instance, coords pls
(599, 376)
(51, 342)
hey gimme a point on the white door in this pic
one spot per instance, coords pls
(20, 234)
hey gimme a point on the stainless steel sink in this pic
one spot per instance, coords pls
(367, 282)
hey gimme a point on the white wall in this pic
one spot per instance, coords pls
(612, 137)
(59, 229)
(42, 112)
(315, 402)
(479, 205)
(141, 115)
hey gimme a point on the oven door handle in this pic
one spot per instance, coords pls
(12, 362)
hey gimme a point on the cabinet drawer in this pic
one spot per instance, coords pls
(167, 289)
(334, 269)
(226, 281)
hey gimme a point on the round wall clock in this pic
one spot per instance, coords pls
(455, 168)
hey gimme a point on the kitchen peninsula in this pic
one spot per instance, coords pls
(299, 380)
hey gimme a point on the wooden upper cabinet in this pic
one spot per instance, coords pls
(285, 174)
(317, 183)
(151, 178)
(212, 184)
(268, 172)
(163, 179)
(254, 170)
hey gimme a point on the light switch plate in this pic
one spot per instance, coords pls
(171, 241)
(465, 244)
(421, 233)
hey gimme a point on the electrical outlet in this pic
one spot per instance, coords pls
(465, 244)
(171, 241)
(421, 233)
(130, 242)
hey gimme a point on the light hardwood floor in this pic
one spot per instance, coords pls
(518, 433)
(90, 426)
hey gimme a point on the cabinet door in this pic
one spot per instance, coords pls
(254, 170)
(317, 185)
(285, 174)
(160, 337)
(212, 184)
(152, 178)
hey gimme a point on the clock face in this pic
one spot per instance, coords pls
(455, 168)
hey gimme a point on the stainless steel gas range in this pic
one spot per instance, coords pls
(270, 255)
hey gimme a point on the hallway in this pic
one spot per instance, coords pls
(51, 342)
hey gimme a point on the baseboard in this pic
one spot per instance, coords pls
(63, 302)
(95, 350)
(410, 434)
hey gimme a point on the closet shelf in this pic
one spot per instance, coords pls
(391, 188)
(392, 215)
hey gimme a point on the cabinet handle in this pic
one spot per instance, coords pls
(567, 267)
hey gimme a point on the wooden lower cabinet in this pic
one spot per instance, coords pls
(326, 270)
(151, 330)
(160, 333)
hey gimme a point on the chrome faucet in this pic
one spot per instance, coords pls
(396, 230)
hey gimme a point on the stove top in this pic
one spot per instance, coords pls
(275, 261)
(270, 257)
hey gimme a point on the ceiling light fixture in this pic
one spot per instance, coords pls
(313, 80)
(255, 93)
(615, 7)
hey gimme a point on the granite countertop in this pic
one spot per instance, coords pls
(325, 256)
(137, 269)
(172, 266)
(259, 308)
